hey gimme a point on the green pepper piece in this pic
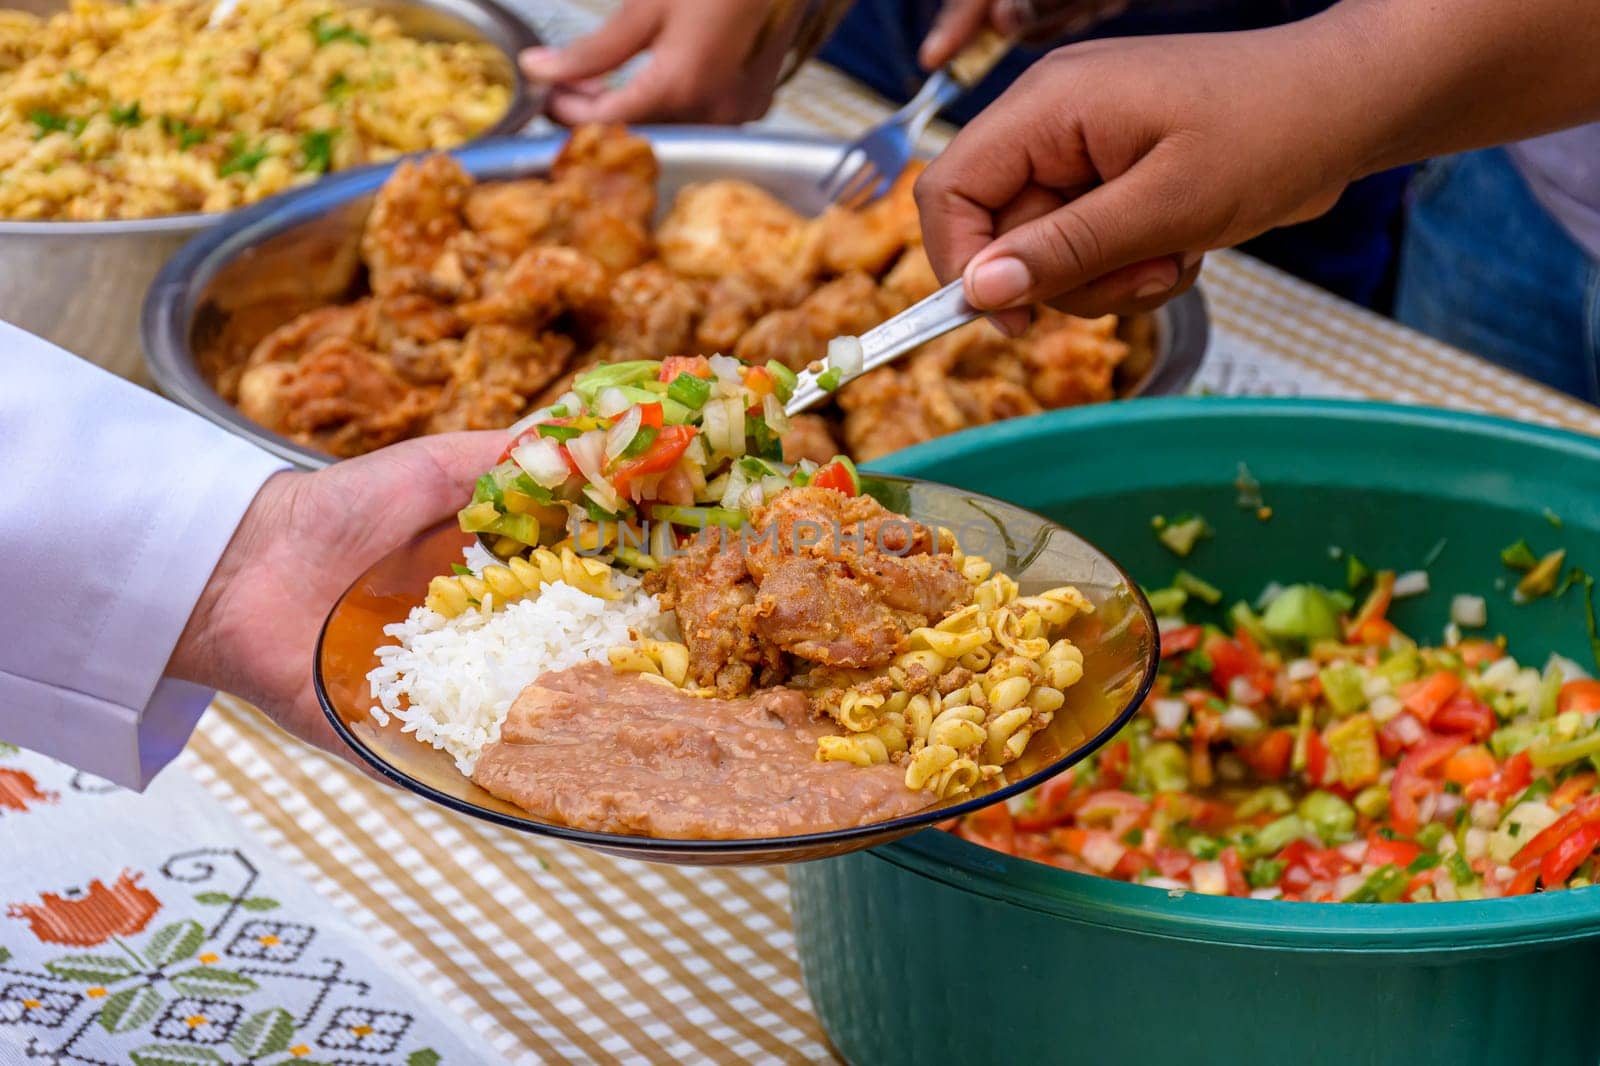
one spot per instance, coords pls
(1548, 696)
(698, 517)
(1519, 556)
(478, 517)
(1203, 847)
(1333, 819)
(1460, 872)
(830, 379)
(1264, 873)
(784, 380)
(1302, 613)
(691, 391)
(1430, 835)
(1343, 687)
(592, 382)
(1165, 766)
(560, 433)
(635, 558)
(1201, 590)
(1241, 615)
(1280, 833)
(519, 527)
(1401, 666)
(1571, 751)
(640, 443)
(1372, 801)
(1266, 798)
(1167, 603)
(1386, 884)
(487, 489)
(1541, 580)
(1180, 537)
(1356, 572)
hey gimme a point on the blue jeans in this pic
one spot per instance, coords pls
(1350, 251)
(1485, 267)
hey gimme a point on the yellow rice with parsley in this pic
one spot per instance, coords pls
(114, 110)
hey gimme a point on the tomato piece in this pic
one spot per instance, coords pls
(1179, 640)
(1382, 850)
(1584, 812)
(1328, 863)
(1477, 651)
(697, 365)
(1391, 738)
(1464, 713)
(1565, 858)
(1411, 782)
(992, 827)
(1425, 697)
(1231, 659)
(1113, 764)
(1133, 863)
(1375, 606)
(759, 380)
(650, 414)
(1572, 789)
(1316, 758)
(1582, 696)
(668, 447)
(1374, 633)
(1514, 776)
(1524, 881)
(1269, 756)
(838, 475)
(1172, 862)
(1233, 871)
(1055, 802)
(1469, 765)
(1112, 809)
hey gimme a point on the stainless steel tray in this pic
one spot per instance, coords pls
(81, 284)
(299, 251)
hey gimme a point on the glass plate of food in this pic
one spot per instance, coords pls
(648, 634)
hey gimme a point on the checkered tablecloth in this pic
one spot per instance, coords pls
(272, 898)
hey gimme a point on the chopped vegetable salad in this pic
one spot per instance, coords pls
(1315, 752)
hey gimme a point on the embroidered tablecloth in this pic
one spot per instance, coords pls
(263, 903)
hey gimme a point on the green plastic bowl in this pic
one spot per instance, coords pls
(932, 949)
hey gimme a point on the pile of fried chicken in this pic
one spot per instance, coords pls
(487, 298)
(835, 580)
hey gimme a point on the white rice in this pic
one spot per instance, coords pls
(451, 681)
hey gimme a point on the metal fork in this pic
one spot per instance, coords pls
(866, 168)
(931, 317)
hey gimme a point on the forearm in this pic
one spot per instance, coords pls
(1432, 77)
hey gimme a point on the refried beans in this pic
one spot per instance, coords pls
(598, 750)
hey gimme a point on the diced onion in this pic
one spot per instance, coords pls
(1411, 583)
(1384, 708)
(572, 402)
(611, 402)
(662, 544)
(619, 436)
(735, 423)
(1408, 729)
(752, 497)
(1355, 851)
(1301, 670)
(1241, 720)
(1169, 714)
(1348, 884)
(1164, 882)
(527, 422)
(1448, 804)
(1570, 671)
(846, 355)
(588, 451)
(1240, 690)
(1469, 611)
(773, 412)
(1209, 878)
(772, 484)
(1168, 623)
(696, 452)
(1268, 594)
(737, 483)
(541, 460)
(1266, 893)
(727, 368)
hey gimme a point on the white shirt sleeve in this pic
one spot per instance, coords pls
(115, 506)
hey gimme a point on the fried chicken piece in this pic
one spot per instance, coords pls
(543, 283)
(411, 318)
(869, 239)
(616, 168)
(721, 228)
(1072, 360)
(809, 437)
(711, 591)
(512, 216)
(846, 306)
(340, 397)
(498, 370)
(911, 278)
(291, 341)
(732, 305)
(616, 243)
(813, 608)
(651, 315)
(414, 216)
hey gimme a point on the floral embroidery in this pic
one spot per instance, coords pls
(19, 791)
(86, 918)
(364, 1029)
(226, 990)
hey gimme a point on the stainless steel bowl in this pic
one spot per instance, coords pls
(267, 264)
(80, 284)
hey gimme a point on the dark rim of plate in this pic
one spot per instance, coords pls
(802, 842)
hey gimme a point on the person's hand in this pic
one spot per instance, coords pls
(1033, 21)
(1105, 172)
(305, 538)
(710, 61)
